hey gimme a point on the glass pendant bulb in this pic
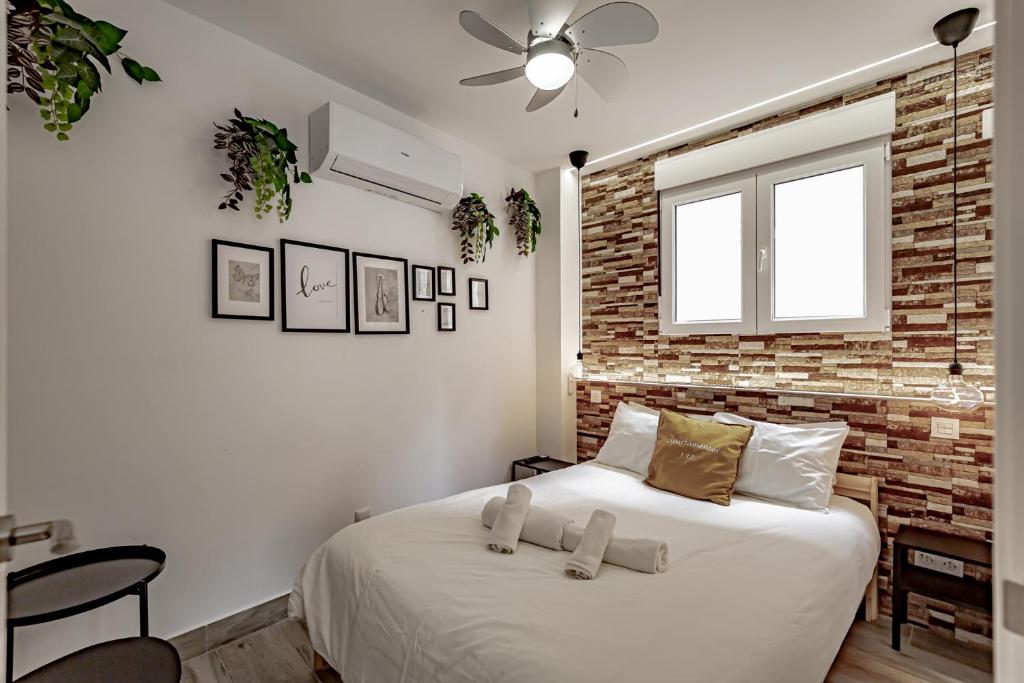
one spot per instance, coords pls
(955, 394)
(576, 369)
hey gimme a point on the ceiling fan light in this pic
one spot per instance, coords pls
(549, 64)
(955, 394)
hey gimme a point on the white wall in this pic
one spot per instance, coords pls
(3, 316)
(557, 312)
(1009, 214)
(233, 446)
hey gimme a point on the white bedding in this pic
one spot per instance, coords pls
(754, 591)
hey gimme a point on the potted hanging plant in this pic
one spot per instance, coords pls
(262, 161)
(52, 56)
(524, 219)
(475, 225)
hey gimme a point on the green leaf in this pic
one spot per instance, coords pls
(105, 35)
(281, 139)
(75, 112)
(133, 69)
(77, 41)
(83, 92)
(50, 127)
(62, 137)
(304, 177)
(150, 75)
(88, 74)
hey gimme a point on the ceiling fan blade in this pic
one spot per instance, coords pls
(483, 30)
(543, 97)
(547, 17)
(617, 23)
(496, 77)
(606, 73)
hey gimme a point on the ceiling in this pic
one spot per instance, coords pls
(710, 58)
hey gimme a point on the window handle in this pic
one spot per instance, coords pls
(762, 257)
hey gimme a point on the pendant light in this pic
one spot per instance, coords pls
(578, 159)
(956, 394)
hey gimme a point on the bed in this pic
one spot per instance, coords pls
(754, 591)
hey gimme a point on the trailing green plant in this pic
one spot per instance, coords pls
(52, 56)
(524, 219)
(475, 224)
(262, 160)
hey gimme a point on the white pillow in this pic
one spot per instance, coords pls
(792, 464)
(631, 437)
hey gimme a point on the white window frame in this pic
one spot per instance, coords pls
(757, 236)
(871, 156)
(746, 185)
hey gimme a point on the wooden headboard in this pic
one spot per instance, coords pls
(865, 490)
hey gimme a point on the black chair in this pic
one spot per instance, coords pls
(128, 660)
(76, 583)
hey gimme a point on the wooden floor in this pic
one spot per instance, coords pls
(281, 654)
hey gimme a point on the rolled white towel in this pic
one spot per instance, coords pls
(509, 522)
(542, 527)
(638, 554)
(586, 559)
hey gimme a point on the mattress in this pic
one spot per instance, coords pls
(753, 592)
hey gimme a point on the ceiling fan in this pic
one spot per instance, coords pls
(556, 50)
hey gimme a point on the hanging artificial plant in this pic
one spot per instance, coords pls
(262, 159)
(475, 225)
(52, 55)
(524, 218)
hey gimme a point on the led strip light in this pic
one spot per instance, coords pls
(772, 100)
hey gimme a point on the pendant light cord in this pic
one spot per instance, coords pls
(579, 198)
(956, 284)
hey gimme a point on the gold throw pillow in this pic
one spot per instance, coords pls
(697, 459)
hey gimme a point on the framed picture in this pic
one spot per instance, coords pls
(381, 289)
(314, 287)
(445, 281)
(446, 317)
(478, 299)
(243, 281)
(423, 283)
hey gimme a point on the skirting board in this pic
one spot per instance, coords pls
(210, 636)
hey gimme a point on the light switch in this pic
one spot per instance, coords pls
(945, 428)
(988, 123)
(595, 395)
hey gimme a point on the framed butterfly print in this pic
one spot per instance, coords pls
(243, 281)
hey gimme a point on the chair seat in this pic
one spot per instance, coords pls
(128, 660)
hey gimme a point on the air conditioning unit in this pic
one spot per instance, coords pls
(354, 149)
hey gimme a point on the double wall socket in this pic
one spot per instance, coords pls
(938, 563)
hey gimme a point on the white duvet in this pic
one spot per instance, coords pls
(754, 591)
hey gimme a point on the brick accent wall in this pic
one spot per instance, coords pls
(934, 483)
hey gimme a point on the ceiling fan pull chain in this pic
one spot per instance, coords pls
(576, 94)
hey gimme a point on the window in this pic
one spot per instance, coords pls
(795, 246)
(711, 252)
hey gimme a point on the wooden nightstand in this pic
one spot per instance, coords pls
(539, 464)
(908, 578)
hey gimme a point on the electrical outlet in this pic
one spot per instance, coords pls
(362, 513)
(595, 395)
(938, 563)
(945, 428)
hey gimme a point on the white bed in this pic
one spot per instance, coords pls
(754, 591)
